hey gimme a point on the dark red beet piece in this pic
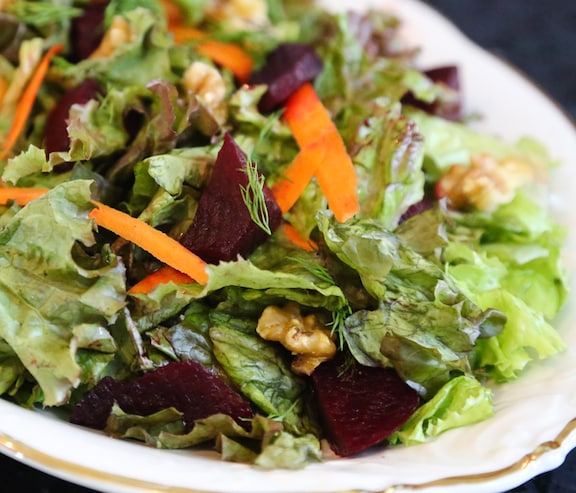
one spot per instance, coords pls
(286, 68)
(222, 228)
(186, 386)
(450, 110)
(56, 133)
(87, 30)
(361, 406)
(427, 202)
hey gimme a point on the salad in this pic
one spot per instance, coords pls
(230, 224)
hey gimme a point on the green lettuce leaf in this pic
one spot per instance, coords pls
(13, 372)
(448, 143)
(260, 371)
(523, 242)
(54, 298)
(288, 280)
(266, 444)
(526, 337)
(389, 163)
(460, 402)
(149, 46)
(424, 326)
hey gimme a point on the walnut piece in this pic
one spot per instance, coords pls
(306, 337)
(485, 184)
(206, 84)
(239, 14)
(118, 33)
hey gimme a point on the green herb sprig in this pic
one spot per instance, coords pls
(253, 196)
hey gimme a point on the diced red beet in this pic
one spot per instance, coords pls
(87, 30)
(360, 406)
(186, 386)
(222, 228)
(286, 68)
(56, 133)
(451, 110)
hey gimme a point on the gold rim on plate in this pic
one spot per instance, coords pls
(95, 478)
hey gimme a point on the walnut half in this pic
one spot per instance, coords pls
(485, 184)
(306, 337)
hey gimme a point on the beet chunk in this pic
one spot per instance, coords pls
(360, 406)
(186, 386)
(450, 110)
(222, 228)
(87, 30)
(56, 132)
(286, 68)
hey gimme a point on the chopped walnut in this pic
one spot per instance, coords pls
(485, 184)
(205, 83)
(118, 33)
(306, 337)
(240, 14)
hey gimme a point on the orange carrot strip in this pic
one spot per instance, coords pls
(3, 89)
(163, 275)
(306, 116)
(225, 54)
(311, 124)
(27, 100)
(228, 55)
(297, 175)
(182, 34)
(155, 242)
(295, 237)
(172, 11)
(20, 195)
(337, 179)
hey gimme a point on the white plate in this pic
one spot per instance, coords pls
(531, 432)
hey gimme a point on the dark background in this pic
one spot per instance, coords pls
(538, 37)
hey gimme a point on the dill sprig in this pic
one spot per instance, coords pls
(337, 324)
(281, 415)
(314, 268)
(253, 196)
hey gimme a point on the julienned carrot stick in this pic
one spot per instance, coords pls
(163, 275)
(311, 124)
(20, 195)
(295, 237)
(172, 11)
(3, 89)
(228, 55)
(155, 242)
(182, 34)
(27, 100)
(297, 175)
(225, 54)
(337, 178)
(306, 116)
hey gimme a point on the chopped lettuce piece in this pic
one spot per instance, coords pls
(261, 372)
(389, 163)
(266, 444)
(526, 337)
(149, 46)
(50, 288)
(424, 326)
(288, 281)
(460, 402)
